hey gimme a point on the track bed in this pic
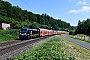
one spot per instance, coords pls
(13, 48)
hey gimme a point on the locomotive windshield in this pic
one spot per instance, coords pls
(23, 30)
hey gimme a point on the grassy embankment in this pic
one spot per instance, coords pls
(77, 51)
(8, 35)
(52, 49)
(81, 37)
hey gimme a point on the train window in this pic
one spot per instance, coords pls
(24, 30)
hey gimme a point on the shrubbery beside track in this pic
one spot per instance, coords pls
(52, 49)
(7, 35)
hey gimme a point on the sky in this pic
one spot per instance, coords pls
(69, 11)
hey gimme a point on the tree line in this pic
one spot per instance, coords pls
(19, 18)
(83, 27)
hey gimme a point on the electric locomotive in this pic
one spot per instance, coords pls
(27, 33)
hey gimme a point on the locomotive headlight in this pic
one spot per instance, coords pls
(20, 33)
(25, 33)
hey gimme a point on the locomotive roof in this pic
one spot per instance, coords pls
(34, 29)
(25, 28)
(31, 29)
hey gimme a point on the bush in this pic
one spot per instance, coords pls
(7, 35)
(53, 49)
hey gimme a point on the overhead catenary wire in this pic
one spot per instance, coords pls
(27, 4)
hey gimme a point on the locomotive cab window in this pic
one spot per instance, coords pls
(23, 30)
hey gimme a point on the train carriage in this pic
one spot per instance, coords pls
(54, 32)
(50, 32)
(43, 32)
(59, 32)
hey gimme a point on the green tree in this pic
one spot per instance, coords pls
(22, 18)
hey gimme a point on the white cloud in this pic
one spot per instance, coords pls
(83, 9)
(82, 2)
(71, 11)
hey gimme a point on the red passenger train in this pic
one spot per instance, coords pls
(28, 33)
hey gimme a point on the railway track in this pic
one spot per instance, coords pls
(13, 48)
(8, 44)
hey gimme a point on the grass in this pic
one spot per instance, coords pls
(87, 41)
(51, 49)
(8, 35)
(77, 51)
